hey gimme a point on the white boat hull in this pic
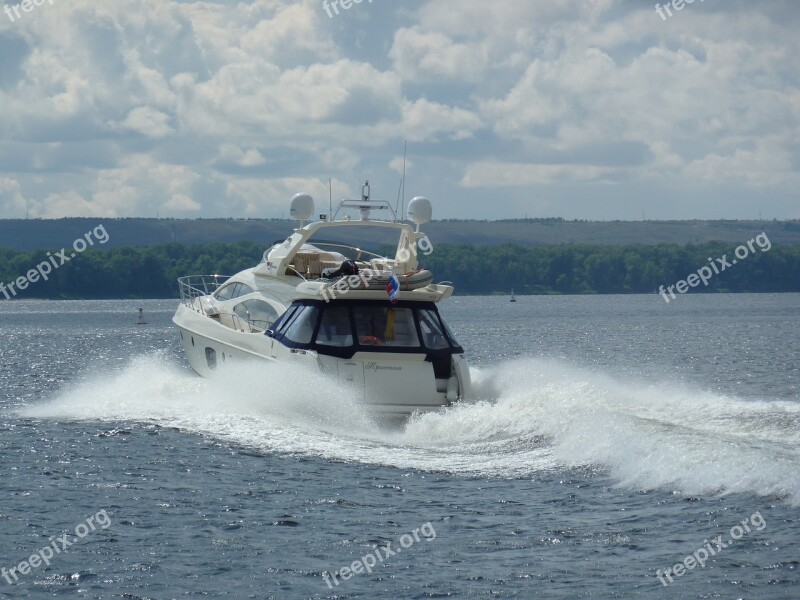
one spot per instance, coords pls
(391, 385)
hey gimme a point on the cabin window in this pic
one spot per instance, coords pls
(257, 313)
(449, 333)
(280, 323)
(286, 319)
(211, 358)
(432, 332)
(301, 329)
(344, 328)
(386, 326)
(225, 292)
(335, 328)
(233, 290)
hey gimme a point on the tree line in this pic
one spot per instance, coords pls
(152, 271)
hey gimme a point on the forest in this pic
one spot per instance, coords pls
(152, 271)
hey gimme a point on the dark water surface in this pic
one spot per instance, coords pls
(614, 436)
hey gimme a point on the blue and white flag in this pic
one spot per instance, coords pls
(392, 287)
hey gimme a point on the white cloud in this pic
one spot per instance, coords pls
(138, 107)
(148, 121)
(232, 153)
(425, 120)
(420, 56)
(271, 197)
(500, 175)
(12, 203)
(400, 164)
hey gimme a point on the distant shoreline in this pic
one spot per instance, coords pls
(152, 271)
(498, 295)
(31, 234)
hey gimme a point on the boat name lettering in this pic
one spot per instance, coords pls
(376, 367)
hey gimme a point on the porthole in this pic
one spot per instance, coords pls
(211, 358)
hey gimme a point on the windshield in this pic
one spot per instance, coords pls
(366, 326)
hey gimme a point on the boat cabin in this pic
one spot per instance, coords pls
(343, 328)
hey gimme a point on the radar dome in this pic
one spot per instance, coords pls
(420, 210)
(302, 207)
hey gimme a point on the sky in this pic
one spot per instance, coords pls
(580, 109)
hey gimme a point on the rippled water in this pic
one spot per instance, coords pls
(610, 437)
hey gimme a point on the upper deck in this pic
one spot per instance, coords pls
(300, 255)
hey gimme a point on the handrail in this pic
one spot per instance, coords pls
(195, 286)
(237, 319)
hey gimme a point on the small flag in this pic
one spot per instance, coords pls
(388, 333)
(393, 287)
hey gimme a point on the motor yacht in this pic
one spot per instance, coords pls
(320, 300)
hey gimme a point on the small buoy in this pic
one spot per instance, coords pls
(141, 320)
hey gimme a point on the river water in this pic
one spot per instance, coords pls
(611, 437)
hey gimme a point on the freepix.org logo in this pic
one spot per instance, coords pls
(664, 11)
(700, 556)
(54, 261)
(45, 554)
(332, 6)
(372, 559)
(706, 273)
(13, 12)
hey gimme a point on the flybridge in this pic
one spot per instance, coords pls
(313, 262)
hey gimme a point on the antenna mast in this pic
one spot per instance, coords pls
(403, 183)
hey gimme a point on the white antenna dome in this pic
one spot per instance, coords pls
(302, 207)
(420, 210)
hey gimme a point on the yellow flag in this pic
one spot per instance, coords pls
(389, 333)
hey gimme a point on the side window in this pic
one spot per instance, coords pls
(432, 332)
(335, 329)
(262, 313)
(281, 320)
(233, 290)
(301, 329)
(226, 291)
(240, 310)
(258, 313)
(449, 331)
(288, 318)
